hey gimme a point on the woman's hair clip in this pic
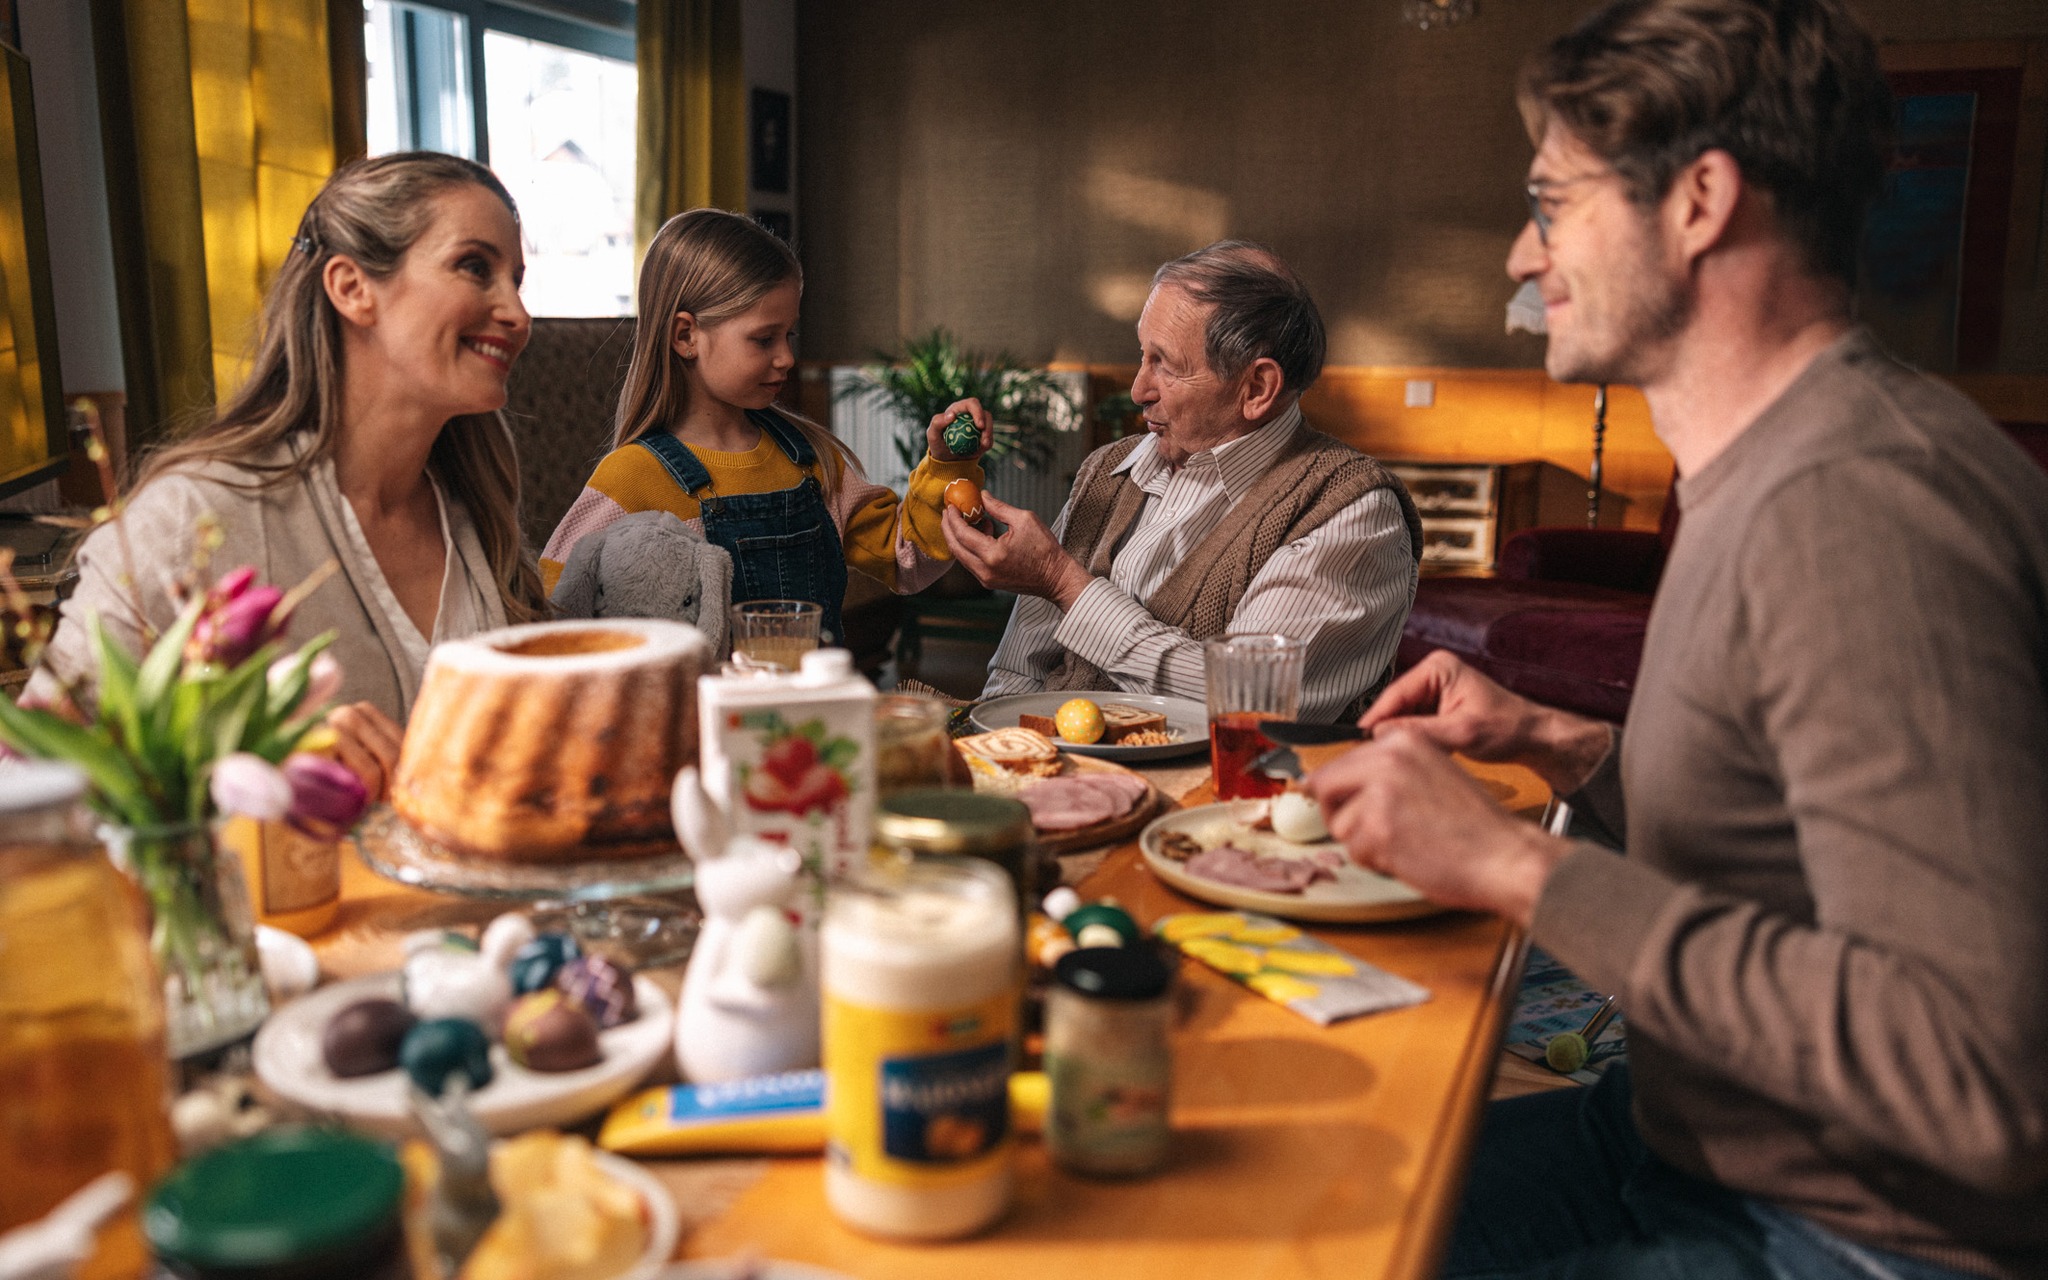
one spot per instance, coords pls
(305, 244)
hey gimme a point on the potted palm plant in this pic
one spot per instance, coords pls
(934, 370)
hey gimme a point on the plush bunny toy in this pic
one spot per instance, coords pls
(648, 565)
(750, 995)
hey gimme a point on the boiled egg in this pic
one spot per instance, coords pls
(1297, 818)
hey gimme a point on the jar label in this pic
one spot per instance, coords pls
(918, 1099)
(1108, 1111)
(298, 871)
(946, 1107)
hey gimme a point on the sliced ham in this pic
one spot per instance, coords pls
(1067, 804)
(1228, 864)
(1126, 789)
(1082, 800)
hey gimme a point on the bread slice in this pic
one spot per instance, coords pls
(1038, 724)
(1122, 720)
(1018, 751)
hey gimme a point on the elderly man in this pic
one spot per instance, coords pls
(1228, 515)
(1827, 932)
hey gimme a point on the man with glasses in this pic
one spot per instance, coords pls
(1827, 932)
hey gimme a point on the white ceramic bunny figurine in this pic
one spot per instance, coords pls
(750, 995)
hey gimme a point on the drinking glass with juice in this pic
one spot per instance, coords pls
(1251, 679)
(776, 633)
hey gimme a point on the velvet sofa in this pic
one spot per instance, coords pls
(1562, 620)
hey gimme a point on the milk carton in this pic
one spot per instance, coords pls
(791, 757)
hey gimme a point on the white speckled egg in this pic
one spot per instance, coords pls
(1296, 818)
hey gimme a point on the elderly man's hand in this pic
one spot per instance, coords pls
(1401, 807)
(1458, 709)
(1026, 559)
(935, 432)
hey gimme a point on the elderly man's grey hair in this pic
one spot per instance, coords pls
(1262, 310)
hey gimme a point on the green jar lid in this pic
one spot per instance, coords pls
(951, 822)
(282, 1196)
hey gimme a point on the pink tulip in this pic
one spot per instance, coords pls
(251, 786)
(327, 797)
(234, 584)
(231, 629)
(323, 678)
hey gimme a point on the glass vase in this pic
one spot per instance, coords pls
(202, 935)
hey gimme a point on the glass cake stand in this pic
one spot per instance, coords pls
(640, 908)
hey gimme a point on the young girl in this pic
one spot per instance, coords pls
(696, 436)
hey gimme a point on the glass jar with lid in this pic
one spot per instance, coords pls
(1108, 1060)
(84, 1081)
(943, 823)
(286, 1204)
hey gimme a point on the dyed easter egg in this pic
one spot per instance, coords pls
(433, 1051)
(363, 1038)
(962, 434)
(535, 965)
(546, 1031)
(604, 990)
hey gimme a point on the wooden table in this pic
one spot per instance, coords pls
(1299, 1150)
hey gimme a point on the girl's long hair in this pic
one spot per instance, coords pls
(714, 265)
(370, 211)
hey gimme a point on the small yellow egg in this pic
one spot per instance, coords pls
(1079, 720)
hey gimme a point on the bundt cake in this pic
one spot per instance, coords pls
(553, 742)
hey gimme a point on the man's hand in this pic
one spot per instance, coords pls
(935, 434)
(366, 744)
(1401, 807)
(1026, 559)
(1456, 708)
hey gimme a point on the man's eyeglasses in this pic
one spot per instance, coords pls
(1538, 192)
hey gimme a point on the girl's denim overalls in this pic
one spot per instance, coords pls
(783, 545)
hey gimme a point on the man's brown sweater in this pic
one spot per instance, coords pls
(1830, 931)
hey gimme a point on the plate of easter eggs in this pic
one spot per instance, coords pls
(544, 1035)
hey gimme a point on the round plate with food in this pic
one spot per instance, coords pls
(1229, 854)
(1132, 726)
(289, 1061)
(1076, 802)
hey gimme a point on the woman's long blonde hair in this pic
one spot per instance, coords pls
(371, 212)
(714, 265)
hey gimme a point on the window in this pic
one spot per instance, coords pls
(544, 93)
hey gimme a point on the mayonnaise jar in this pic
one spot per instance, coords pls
(920, 971)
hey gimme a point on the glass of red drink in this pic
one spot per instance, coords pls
(1251, 678)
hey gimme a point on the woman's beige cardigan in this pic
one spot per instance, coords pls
(287, 532)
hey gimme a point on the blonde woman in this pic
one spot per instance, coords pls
(697, 435)
(367, 433)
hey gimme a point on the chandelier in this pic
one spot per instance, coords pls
(1430, 14)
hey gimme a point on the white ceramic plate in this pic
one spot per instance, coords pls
(1355, 896)
(663, 1224)
(1189, 718)
(288, 1059)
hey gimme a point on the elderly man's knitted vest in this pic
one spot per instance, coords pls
(1312, 479)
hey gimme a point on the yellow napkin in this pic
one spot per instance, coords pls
(1285, 965)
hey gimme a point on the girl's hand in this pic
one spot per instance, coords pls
(935, 434)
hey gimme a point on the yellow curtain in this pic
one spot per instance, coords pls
(692, 145)
(263, 125)
(229, 121)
